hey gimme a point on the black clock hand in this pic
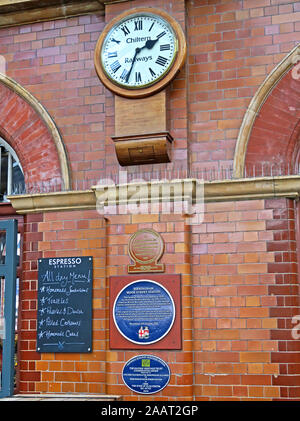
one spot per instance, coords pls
(149, 45)
(137, 50)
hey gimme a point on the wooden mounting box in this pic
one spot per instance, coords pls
(141, 134)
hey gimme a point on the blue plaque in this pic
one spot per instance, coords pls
(146, 374)
(144, 312)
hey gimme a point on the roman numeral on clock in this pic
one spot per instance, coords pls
(165, 47)
(161, 60)
(138, 77)
(112, 54)
(115, 66)
(125, 30)
(138, 25)
(124, 74)
(152, 72)
(115, 40)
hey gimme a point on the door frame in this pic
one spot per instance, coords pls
(9, 271)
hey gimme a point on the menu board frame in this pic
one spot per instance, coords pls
(64, 316)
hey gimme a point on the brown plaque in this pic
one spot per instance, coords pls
(146, 248)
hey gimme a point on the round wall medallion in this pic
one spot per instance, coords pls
(145, 248)
(144, 312)
(146, 374)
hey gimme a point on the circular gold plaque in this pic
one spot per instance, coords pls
(145, 249)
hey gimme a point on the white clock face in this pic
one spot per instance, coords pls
(139, 51)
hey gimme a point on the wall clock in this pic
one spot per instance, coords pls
(140, 52)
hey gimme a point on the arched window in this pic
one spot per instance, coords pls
(11, 172)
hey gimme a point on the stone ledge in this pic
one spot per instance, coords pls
(51, 202)
(19, 12)
(62, 397)
(214, 191)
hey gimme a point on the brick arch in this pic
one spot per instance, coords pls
(294, 148)
(31, 132)
(268, 137)
(274, 139)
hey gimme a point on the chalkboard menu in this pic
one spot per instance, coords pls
(64, 322)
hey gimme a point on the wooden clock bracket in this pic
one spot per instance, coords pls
(152, 148)
(141, 130)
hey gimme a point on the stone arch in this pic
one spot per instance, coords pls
(270, 131)
(29, 129)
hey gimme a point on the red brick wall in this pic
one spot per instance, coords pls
(28, 374)
(62, 234)
(246, 292)
(86, 233)
(54, 61)
(275, 133)
(239, 268)
(25, 130)
(239, 293)
(232, 46)
(176, 257)
(286, 293)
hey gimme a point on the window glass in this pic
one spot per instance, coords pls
(11, 173)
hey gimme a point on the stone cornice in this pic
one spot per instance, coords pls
(215, 191)
(19, 12)
(51, 202)
(252, 188)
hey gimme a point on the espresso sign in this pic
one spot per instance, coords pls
(64, 322)
(145, 249)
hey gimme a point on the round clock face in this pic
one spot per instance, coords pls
(138, 51)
